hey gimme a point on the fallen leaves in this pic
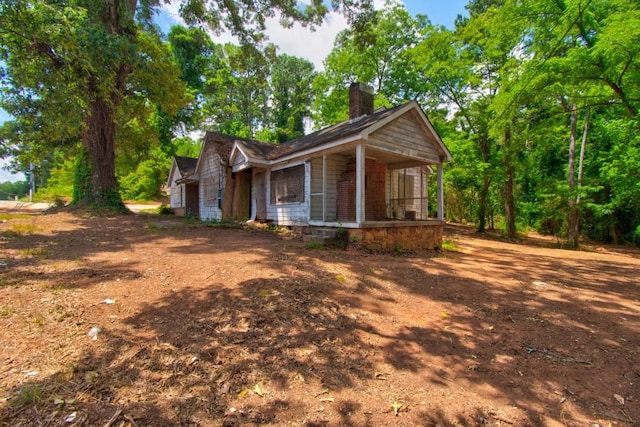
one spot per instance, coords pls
(258, 390)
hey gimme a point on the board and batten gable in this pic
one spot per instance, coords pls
(289, 213)
(239, 160)
(406, 135)
(212, 179)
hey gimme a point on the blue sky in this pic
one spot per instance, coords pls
(438, 11)
(314, 46)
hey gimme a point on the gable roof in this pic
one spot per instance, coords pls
(331, 133)
(186, 165)
(360, 128)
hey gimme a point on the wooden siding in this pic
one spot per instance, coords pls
(239, 158)
(407, 137)
(176, 191)
(334, 167)
(212, 177)
(317, 194)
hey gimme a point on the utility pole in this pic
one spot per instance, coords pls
(32, 182)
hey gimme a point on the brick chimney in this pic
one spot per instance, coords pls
(360, 100)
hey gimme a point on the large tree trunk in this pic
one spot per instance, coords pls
(573, 232)
(509, 201)
(482, 203)
(486, 181)
(99, 186)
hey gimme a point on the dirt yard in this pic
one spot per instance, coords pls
(206, 326)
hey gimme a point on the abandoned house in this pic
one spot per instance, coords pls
(368, 175)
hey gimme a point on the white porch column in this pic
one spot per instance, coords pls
(324, 187)
(440, 192)
(360, 170)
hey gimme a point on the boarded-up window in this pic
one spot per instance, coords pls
(209, 192)
(287, 185)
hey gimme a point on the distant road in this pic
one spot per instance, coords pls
(12, 206)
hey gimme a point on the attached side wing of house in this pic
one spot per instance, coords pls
(181, 194)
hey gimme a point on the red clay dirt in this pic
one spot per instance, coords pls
(211, 326)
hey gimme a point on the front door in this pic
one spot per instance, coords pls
(191, 200)
(260, 179)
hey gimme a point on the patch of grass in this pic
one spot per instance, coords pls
(152, 227)
(397, 250)
(313, 245)
(164, 210)
(6, 310)
(191, 220)
(449, 245)
(38, 320)
(220, 223)
(9, 216)
(58, 288)
(150, 211)
(20, 230)
(342, 236)
(60, 313)
(29, 395)
(264, 293)
(33, 252)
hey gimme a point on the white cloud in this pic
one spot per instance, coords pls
(298, 40)
(303, 42)
(5, 175)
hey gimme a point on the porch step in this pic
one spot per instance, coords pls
(321, 235)
(324, 232)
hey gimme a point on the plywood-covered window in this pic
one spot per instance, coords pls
(287, 185)
(209, 192)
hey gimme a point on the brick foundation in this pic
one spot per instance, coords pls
(400, 237)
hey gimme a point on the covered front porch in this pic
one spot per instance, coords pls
(380, 196)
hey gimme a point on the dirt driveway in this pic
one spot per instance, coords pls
(205, 326)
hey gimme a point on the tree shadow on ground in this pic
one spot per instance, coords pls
(328, 337)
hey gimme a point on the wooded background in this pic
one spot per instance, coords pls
(537, 101)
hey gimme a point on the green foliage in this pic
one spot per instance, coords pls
(144, 182)
(342, 236)
(186, 147)
(28, 395)
(81, 178)
(313, 245)
(60, 185)
(11, 190)
(291, 84)
(165, 210)
(450, 246)
(376, 54)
